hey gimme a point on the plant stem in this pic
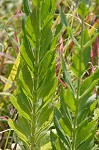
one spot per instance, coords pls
(5, 146)
(74, 132)
(80, 60)
(35, 93)
(78, 90)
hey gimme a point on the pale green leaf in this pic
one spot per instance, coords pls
(88, 81)
(46, 147)
(83, 9)
(67, 77)
(18, 130)
(21, 108)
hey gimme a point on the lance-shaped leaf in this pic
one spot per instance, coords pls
(27, 9)
(22, 110)
(67, 77)
(19, 131)
(64, 137)
(89, 82)
(85, 133)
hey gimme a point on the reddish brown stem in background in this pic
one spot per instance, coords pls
(62, 82)
(95, 54)
(2, 60)
(16, 39)
(3, 118)
(61, 50)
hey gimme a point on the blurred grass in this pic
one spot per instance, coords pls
(10, 38)
(10, 28)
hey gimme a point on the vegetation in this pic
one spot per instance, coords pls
(50, 96)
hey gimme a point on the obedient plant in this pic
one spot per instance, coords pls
(36, 81)
(74, 120)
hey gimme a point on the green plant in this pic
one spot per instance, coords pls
(36, 81)
(74, 121)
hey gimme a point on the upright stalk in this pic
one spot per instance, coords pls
(35, 94)
(80, 59)
(78, 90)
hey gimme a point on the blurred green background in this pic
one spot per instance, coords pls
(10, 39)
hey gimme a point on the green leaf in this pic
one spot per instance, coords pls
(75, 65)
(82, 123)
(25, 126)
(66, 121)
(89, 144)
(45, 39)
(25, 55)
(61, 145)
(86, 132)
(86, 58)
(29, 32)
(45, 10)
(43, 137)
(83, 9)
(89, 81)
(46, 63)
(63, 17)
(84, 106)
(23, 99)
(87, 101)
(58, 28)
(26, 50)
(21, 108)
(89, 42)
(74, 40)
(23, 84)
(26, 7)
(64, 108)
(67, 78)
(46, 146)
(37, 2)
(53, 138)
(60, 132)
(65, 126)
(34, 2)
(36, 24)
(19, 131)
(90, 89)
(82, 115)
(47, 84)
(68, 99)
(44, 115)
(27, 77)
